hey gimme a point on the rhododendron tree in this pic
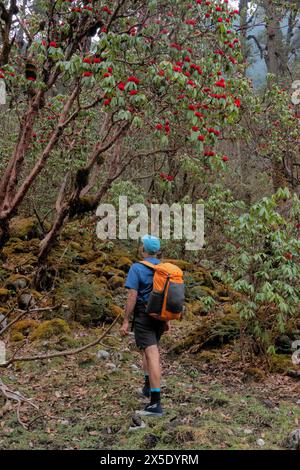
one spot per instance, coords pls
(99, 86)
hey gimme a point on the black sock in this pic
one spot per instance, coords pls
(155, 396)
(147, 380)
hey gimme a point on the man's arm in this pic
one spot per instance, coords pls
(129, 309)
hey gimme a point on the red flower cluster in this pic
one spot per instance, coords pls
(211, 130)
(209, 153)
(166, 177)
(237, 103)
(196, 67)
(53, 44)
(133, 79)
(107, 10)
(191, 22)
(121, 86)
(87, 74)
(221, 83)
(225, 158)
(174, 45)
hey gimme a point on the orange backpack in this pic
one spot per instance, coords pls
(167, 297)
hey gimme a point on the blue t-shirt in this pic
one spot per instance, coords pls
(140, 278)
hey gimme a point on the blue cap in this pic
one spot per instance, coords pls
(151, 244)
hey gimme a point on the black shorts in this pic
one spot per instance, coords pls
(147, 330)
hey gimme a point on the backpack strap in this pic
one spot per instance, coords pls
(148, 264)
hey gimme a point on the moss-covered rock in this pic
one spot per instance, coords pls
(4, 294)
(211, 332)
(197, 292)
(124, 263)
(229, 309)
(280, 363)
(50, 328)
(25, 228)
(195, 308)
(15, 337)
(25, 327)
(202, 277)
(109, 272)
(254, 374)
(115, 282)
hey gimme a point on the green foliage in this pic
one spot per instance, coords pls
(264, 259)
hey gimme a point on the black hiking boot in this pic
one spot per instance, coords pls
(151, 410)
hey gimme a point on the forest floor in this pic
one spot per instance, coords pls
(208, 401)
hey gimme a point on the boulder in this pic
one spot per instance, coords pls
(50, 328)
(16, 282)
(211, 332)
(24, 327)
(115, 282)
(25, 228)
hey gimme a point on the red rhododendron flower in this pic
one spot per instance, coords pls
(237, 103)
(199, 115)
(121, 86)
(87, 60)
(159, 126)
(220, 20)
(107, 102)
(175, 46)
(134, 80)
(32, 79)
(106, 75)
(107, 10)
(201, 138)
(190, 22)
(53, 44)
(225, 158)
(192, 107)
(221, 83)
(97, 60)
(161, 73)
(288, 256)
(195, 128)
(87, 74)
(133, 92)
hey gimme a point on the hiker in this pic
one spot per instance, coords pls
(147, 330)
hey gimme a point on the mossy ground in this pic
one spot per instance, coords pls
(207, 403)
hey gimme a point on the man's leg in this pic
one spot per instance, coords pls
(153, 364)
